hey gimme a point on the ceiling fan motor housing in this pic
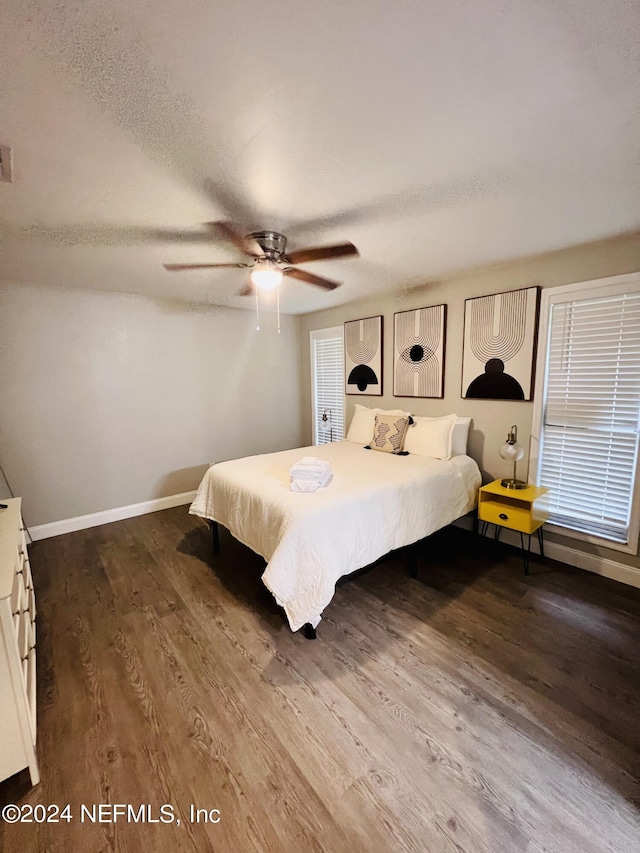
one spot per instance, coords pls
(272, 243)
(266, 258)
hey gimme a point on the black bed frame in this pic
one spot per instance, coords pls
(308, 630)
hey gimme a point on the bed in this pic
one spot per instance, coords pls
(375, 503)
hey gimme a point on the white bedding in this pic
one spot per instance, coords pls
(376, 502)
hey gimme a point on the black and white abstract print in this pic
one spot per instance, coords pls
(499, 341)
(418, 359)
(363, 356)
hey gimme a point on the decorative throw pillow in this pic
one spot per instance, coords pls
(389, 433)
(363, 422)
(431, 437)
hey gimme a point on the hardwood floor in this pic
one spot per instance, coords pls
(470, 710)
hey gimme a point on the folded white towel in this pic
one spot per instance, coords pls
(310, 467)
(304, 486)
(301, 466)
(312, 460)
(309, 485)
(319, 463)
(298, 474)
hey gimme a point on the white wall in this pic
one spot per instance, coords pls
(108, 400)
(491, 419)
(5, 491)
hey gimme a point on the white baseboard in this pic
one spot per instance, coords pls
(592, 563)
(572, 557)
(563, 553)
(81, 522)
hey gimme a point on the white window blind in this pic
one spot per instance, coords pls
(327, 372)
(591, 414)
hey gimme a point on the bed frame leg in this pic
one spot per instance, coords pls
(216, 536)
(411, 558)
(309, 631)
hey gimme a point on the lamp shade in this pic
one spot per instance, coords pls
(512, 451)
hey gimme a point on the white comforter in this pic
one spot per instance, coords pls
(375, 502)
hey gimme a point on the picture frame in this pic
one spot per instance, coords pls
(363, 356)
(419, 338)
(499, 344)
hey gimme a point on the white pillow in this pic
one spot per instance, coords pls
(364, 421)
(430, 437)
(460, 436)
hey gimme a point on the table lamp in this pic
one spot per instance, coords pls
(327, 423)
(512, 452)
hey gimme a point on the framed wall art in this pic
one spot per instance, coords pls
(363, 356)
(499, 345)
(418, 352)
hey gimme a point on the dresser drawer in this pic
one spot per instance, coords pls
(24, 634)
(31, 692)
(17, 648)
(512, 516)
(18, 562)
(19, 598)
(32, 604)
(28, 580)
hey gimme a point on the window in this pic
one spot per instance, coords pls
(327, 384)
(587, 412)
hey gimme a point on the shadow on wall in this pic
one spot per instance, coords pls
(5, 491)
(180, 481)
(475, 449)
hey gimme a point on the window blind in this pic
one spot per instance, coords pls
(591, 415)
(328, 390)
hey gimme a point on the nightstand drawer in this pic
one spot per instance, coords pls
(512, 516)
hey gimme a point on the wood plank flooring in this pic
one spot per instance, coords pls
(472, 709)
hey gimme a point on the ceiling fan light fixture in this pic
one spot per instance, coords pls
(268, 261)
(266, 275)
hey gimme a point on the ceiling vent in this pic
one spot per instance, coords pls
(6, 164)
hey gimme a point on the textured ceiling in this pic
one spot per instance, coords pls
(434, 135)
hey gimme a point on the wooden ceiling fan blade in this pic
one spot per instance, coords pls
(228, 231)
(309, 278)
(247, 290)
(231, 203)
(181, 267)
(108, 235)
(322, 253)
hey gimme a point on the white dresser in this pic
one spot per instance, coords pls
(17, 649)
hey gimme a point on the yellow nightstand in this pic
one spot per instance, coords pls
(514, 509)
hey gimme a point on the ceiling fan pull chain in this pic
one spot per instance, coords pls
(257, 311)
(278, 305)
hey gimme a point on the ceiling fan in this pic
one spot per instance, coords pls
(268, 260)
